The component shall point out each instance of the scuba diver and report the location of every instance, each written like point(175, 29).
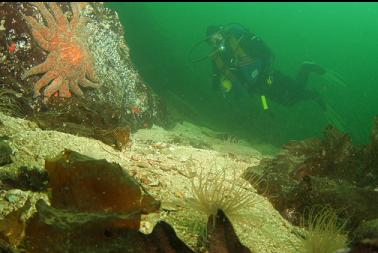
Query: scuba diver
point(242, 61)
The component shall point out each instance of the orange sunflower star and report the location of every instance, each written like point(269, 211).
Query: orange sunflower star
point(69, 62)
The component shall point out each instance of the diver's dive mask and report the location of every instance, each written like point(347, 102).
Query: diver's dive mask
point(217, 40)
point(221, 46)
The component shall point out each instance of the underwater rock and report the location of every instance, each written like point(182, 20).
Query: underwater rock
point(26, 179)
point(58, 230)
point(69, 230)
point(12, 226)
point(32, 179)
point(366, 230)
point(5, 248)
point(357, 204)
point(119, 137)
point(5, 153)
point(365, 246)
point(123, 100)
point(329, 171)
point(84, 184)
point(334, 156)
point(61, 230)
point(164, 239)
point(370, 156)
point(276, 178)
point(223, 238)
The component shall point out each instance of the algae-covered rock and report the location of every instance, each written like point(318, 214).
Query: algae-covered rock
point(365, 246)
point(356, 204)
point(118, 97)
point(5, 153)
point(61, 230)
point(330, 171)
point(26, 179)
point(65, 231)
point(366, 230)
point(13, 225)
point(165, 170)
point(85, 184)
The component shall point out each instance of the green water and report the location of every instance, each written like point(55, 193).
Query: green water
point(342, 37)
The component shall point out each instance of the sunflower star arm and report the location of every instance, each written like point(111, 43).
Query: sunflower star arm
point(59, 16)
point(87, 83)
point(41, 68)
point(64, 90)
point(45, 80)
point(81, 24)
point(40, 32)
point(53, 87)
point(75, 7)
point(51, 23)
point(74, 87)
point(90, 71)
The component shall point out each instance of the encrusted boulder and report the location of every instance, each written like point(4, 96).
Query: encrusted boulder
point(85, 184)
point(68, 67)
point(95, 206)
point(356, 204)
point(370, 156)
point(62, 231)
point(5, 153)
point(365, 246)
point(66, 231)
point(25, 179)
point(331, 171)
point(12, 227)
point(366, 230)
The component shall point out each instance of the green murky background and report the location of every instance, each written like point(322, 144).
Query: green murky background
point(342, 37)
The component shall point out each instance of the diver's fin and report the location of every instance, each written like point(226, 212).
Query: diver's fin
point(334, 118)
point(314, 67)
point(335, 78)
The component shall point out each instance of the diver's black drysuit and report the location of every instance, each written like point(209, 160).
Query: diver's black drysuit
point(245, 60)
